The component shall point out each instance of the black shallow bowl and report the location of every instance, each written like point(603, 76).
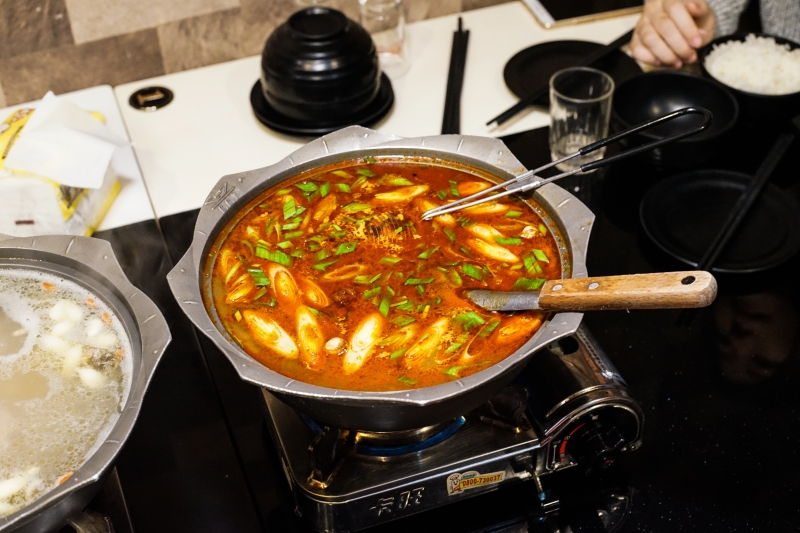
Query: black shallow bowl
point(757, 109)
point(319, 65)
point(649, 96)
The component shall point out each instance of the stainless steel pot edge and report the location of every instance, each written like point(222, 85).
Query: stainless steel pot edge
point(95, 255)
point(233, 191)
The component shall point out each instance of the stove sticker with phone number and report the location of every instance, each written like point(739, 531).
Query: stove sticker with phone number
point(458, 483)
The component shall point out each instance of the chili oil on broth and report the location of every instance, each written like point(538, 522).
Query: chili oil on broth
point(65, 373)
point(333, 278)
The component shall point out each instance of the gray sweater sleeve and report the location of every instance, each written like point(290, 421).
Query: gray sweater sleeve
point(778, 17)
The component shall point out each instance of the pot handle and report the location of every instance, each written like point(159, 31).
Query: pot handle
point(661, 290)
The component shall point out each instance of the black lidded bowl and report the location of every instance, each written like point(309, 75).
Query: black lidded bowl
point(757, 109)
point(319, 65)
point(651, 95)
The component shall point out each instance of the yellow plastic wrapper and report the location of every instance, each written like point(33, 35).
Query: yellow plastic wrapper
point(35, 205)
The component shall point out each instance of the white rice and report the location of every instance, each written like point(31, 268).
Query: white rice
point(756, 65)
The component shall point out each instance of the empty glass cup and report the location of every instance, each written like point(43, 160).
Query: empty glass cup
point(385, 22)
point(580, 110)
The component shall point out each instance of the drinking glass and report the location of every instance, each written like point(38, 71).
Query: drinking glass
point(385, 22)
point(580, 110)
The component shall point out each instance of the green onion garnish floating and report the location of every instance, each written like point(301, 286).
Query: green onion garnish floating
point(469, 320)
point(259, 277)
point(528, 284)
point(346, 248)
point(274, 255)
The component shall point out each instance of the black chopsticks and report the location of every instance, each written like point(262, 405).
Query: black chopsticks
point(746, 200)
point(451, 122)
point(532, 97)
point(741, 208)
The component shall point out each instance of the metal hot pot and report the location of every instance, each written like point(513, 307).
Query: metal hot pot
point(378, 411)
point(91, 264)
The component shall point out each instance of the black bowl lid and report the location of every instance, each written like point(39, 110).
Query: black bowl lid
point(317, 23)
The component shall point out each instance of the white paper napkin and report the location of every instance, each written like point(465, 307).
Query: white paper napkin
point(64, 143)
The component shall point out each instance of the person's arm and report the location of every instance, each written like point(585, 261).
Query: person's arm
point(670, 31)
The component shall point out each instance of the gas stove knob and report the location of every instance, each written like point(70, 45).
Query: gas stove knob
point(595, 445)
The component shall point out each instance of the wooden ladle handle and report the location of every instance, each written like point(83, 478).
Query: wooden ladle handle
point(636, 291)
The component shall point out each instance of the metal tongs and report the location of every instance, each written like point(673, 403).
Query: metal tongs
point(529, 180)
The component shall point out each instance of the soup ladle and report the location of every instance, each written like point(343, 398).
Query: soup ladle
point(530, 180)
point(661, 290)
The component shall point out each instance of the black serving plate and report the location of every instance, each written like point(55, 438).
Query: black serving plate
point(683, 213)
point(532, 67)
point(372, 113)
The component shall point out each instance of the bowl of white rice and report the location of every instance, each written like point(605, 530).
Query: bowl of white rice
point(762, 71)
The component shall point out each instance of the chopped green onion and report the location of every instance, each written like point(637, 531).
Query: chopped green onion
point(237, 315)
point(338, 234)
point(398, 353)
point(527, 284)
point(365, 172)
point(315, 312)
point(543, 229)
point(324, 189)
point(298, 253)
point(513, 214)
point(516, 267)
point(341, 174)
point(326, 264)
point(283, 191)
point(403, 320)
point(540, 255)
point(261, 293)
point(420, 289)
point(375, 278)
point(346, 248)
point(450, 234)
point(343, 187)
point(291, 226)
point(361, 280)
point(407, 380)
point(537, 268)
point(399, 181)
point(442, 194)
point(274, 255)
point(472, 271)
point(307, 186)
point(318, 238)
point(259, 277)
point(453, 347)
point(322, 254)
point(513, 241)
point(469, 320)
point(355, 207)
point(360, 181)
point(383, 308)
point(418, 281)
point(390, 260)
point(488, 329)
point(373, 292)
point(368, 160)
point(455, 279)
point(249, 246)
point(406, 306)
point(293, 235)
point(428, 253)
point(284, 244)
point(289, 209)
point(529, 260)
point(454, 188)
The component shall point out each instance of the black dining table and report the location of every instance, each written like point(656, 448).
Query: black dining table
point(721, 393)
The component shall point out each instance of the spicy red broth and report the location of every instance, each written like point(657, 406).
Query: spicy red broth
point(334, 279)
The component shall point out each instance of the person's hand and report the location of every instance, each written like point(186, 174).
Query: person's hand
point(670, 31)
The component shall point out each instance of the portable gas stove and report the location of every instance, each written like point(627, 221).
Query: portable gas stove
point(568, 409)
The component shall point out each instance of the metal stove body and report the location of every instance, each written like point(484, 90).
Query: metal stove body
point(569, 409)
